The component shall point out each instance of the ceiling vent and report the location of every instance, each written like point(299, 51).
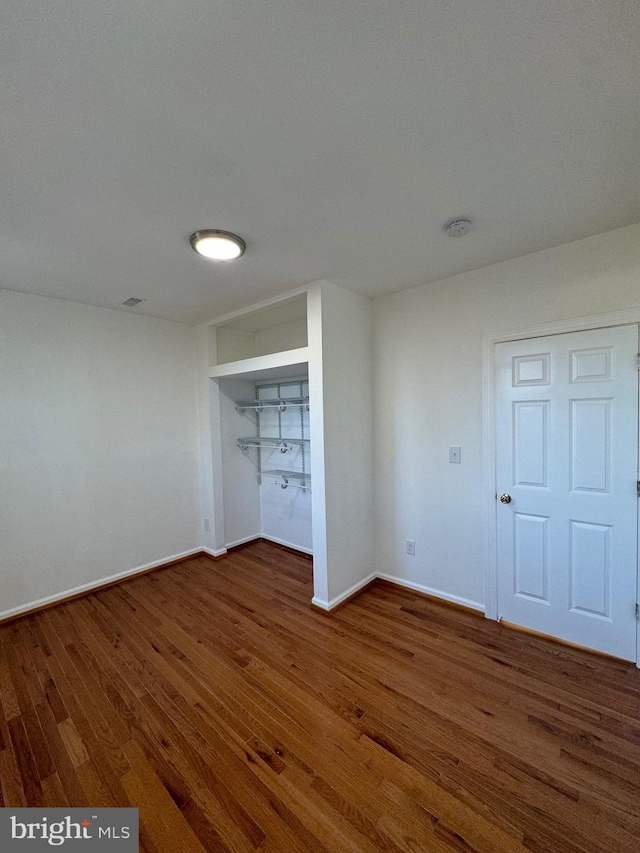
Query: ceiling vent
point(131, 301)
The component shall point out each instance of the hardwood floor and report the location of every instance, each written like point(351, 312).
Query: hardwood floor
point(212, 697)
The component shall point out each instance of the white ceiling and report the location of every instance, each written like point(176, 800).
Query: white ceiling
point(336, 137)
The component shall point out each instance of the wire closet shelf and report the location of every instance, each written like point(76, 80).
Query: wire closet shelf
point(273, 408)
point(279, 404)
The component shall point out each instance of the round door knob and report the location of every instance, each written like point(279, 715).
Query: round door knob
point(505, 499)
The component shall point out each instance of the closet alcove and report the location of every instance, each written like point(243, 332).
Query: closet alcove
point(264, 426)
point(288, 408)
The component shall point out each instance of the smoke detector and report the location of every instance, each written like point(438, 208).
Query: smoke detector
point(458, 227)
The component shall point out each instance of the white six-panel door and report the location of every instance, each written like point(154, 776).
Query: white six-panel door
point(567, 438)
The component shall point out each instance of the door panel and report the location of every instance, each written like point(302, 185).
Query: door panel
point(590, 568)
point(591, 448)
point(531, 549)
point(567, 434)
point(530, 442)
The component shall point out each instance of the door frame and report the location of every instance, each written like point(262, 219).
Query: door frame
point(489, 341)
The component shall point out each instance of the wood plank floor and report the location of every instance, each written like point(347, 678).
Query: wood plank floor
point(212, 697)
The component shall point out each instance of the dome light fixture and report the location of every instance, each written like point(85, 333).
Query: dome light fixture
point(218, 245)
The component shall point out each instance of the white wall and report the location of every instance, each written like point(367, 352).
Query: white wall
point(98, 445)
point(236, 344)
point(232, 345)
point(279, 338)
point(429, 395)
point(341, 378)
point(210, 451)
point(241, 498)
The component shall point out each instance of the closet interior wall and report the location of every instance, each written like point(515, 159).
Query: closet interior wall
point(241, 495)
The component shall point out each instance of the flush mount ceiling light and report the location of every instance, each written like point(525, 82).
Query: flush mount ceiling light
point(458, 227)
point(217, 245)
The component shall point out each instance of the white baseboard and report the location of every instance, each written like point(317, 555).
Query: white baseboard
point(329, 605)
point(261, 536)
point(211, 553)
point(318, 602)
point(436, 593)
point(287, 544)
point(87, 587)
point(242, 541)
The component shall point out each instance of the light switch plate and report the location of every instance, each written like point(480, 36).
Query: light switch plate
point(455, 453)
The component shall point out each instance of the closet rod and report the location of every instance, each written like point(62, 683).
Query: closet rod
point(282, 446)
point(286, 485)
point(280, 404)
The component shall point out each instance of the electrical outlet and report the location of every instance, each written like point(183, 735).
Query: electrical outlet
point(207, 524)
point(411, 547)
point(455, 454)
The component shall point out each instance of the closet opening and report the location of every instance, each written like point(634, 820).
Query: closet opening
point(266, 459)
point(263, 414)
